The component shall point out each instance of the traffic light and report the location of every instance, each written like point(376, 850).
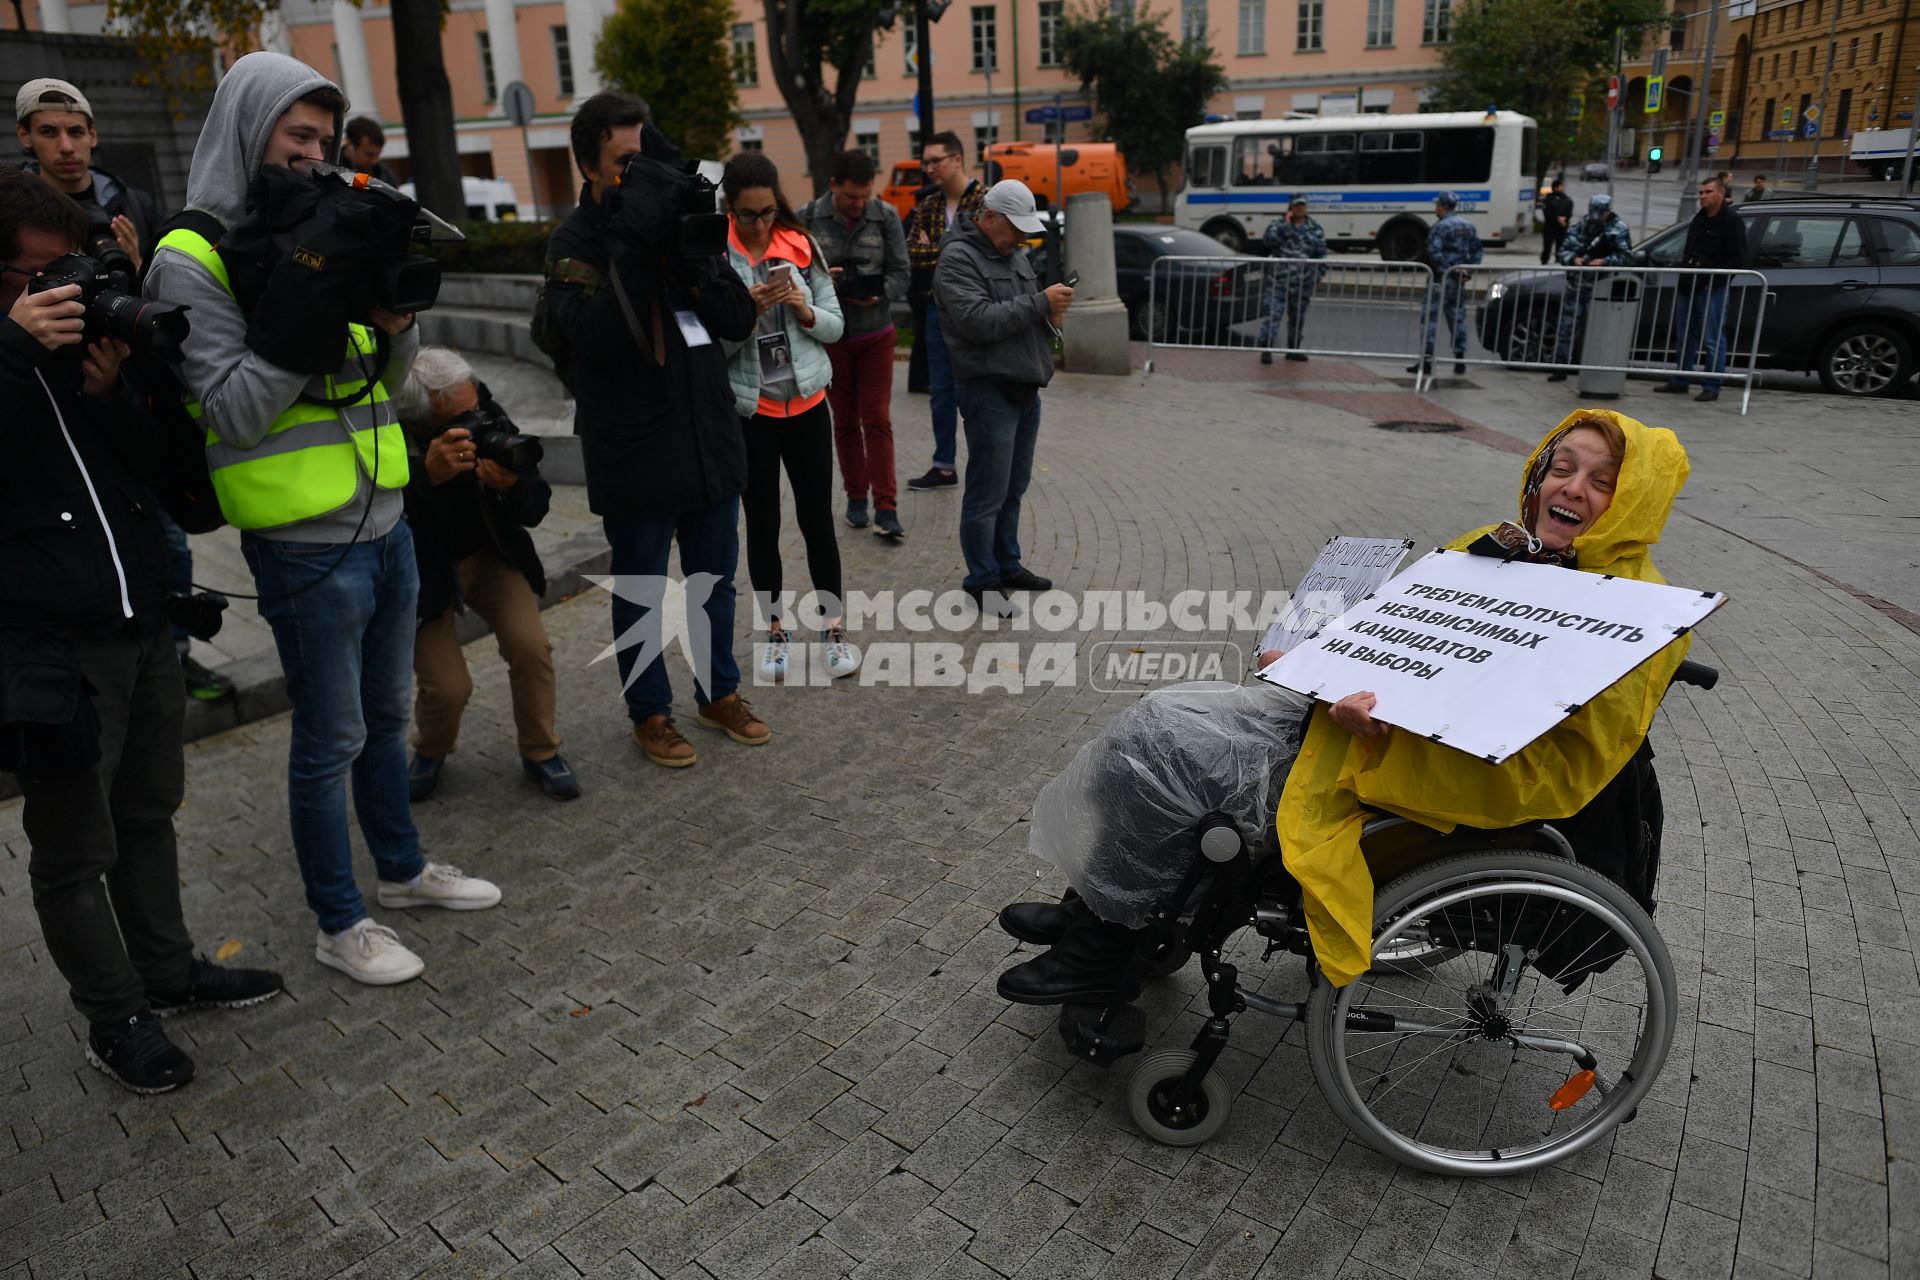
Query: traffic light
point(1653, 160)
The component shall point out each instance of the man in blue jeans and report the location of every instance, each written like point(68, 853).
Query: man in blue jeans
point(1715, 238)
point(320, 523)
point(999, 323)
point(956, 194)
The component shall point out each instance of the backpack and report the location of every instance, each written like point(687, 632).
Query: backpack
point(174, 465)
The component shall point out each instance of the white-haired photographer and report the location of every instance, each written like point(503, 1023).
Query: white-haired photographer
point(475, 492)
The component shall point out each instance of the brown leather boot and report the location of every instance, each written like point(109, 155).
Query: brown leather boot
point(662, 742)
point(733, 717)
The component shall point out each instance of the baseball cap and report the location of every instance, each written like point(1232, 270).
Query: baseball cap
point(48, 94)
point(1011, 199)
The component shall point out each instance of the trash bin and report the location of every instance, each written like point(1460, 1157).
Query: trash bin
point(1612, 318)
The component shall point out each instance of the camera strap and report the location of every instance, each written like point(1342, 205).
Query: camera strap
point(382, 353)
point(656, 350)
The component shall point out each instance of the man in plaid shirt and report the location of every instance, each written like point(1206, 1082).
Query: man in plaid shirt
point(943, 165)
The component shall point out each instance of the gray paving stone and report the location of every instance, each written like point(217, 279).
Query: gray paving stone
point(1013, 1233)
point(1776, 1228)
point(1697, 1244)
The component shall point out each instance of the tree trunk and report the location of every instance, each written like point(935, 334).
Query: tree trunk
point(426, 107)
point(822, 116)
point(20, 14)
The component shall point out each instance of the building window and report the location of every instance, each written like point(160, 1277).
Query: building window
point(1437, 22)
point(1193, 23)
point(746, 56)
point(487, 83)
point(986, 54)
point(1253, 27)
point(1311, 31)
point(868, 140)
point(752, 144)
point(868, 70)
point(563, 58)
point(1121, 9)
point(1776, 66)
point(1874, 60)
point(1853, 52)
point(984, 136)
point(1379, 24)
point(1766, 120)
point(1052, 14)
point(1793, 62)
point(908, 48)
point(1840, 116)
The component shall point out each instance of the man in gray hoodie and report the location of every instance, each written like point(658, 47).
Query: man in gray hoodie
point(998, 322)
point(311, 468)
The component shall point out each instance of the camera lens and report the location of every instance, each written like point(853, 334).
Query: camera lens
point(156, 327)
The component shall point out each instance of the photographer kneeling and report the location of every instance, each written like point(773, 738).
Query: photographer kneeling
point(91, 704)
point(474, 493)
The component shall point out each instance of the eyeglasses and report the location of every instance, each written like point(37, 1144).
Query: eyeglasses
point(929, 161)
point(756, 215)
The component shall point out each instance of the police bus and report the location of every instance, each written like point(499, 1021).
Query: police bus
point(1369, 180)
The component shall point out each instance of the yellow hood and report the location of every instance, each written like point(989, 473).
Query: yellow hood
point(1337, 777)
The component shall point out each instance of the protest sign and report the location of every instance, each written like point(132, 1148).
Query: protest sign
point(1485, 654)
point(1345, 571)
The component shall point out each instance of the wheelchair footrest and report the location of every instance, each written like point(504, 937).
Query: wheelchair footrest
point(1103, 1034)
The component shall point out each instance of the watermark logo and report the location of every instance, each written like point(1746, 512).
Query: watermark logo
point(653, 611)
point(1114, 665)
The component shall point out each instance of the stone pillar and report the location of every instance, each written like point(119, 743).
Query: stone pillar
point(503, 34)
point(1096, 325)
point(355, 69)
point(55, 18)
point(583, 32)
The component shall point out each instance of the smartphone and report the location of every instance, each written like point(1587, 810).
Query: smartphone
point(793, 274)
point(1072, 280)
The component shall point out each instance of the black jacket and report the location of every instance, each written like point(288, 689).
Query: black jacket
point(79, 542)
point(437, 512)
point(1553, 207)
point(1719, 241)
point(655, 438)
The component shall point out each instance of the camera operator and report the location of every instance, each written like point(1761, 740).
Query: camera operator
point(665, 454)
point(309, 463)
point(474, 493)
point(365, 141)
point(91, 705)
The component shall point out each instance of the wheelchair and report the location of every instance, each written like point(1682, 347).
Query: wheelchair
point(1519, 1005)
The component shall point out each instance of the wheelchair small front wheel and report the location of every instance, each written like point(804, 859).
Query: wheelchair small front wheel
point(1168, 1113)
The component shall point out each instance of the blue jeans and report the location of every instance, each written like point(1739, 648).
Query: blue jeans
point(946, 418)
point(346, 645)
point(1712, 333)
point(1000, 440)
point(1449, 295)
point(709, 545)
point(180, 563)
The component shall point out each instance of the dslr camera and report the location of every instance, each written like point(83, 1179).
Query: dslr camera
point(103, 246)
point(852, 282)
point(666, 205)
point(198, 615)
point(113, 309)
point(496, 439)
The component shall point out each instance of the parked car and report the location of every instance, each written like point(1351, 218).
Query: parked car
point(487, 199)
point(1189, 301)
point(1595, 171)
point(1843, 294)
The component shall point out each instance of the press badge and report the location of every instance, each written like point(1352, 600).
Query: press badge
point(777, 381)
point(692, 332)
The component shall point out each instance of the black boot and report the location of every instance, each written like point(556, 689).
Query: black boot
point(1089, 965)
point(1041, 923)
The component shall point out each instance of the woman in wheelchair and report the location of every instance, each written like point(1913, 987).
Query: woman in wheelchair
point(1595, 496)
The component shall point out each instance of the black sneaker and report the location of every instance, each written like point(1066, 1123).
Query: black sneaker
point(1298, 357)
point(1266, 357)
point(857, 512)
point(935, 479)
point(1558, 375)
point(1420, 368)
point(1707, 395)
point(1673, 388)
point(138, 1055)
point(1459, 369)
point(1025, 580)
point(423, 775)
point(886, 523)
point(555, 776)
point(994, 601)
point(210, 986)
point(204, 685)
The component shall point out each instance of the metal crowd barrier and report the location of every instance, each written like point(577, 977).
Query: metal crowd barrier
point(1621, 320)
point(1362, 308)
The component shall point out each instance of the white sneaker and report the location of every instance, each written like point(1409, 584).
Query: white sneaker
point(369, 953)
point(773, 656)
point(441, 886)
point(843, 658)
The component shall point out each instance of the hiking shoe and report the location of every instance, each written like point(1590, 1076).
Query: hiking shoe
point(843, 659)
point(209, 986)
point(369, 953)
point(440, 885)
point(555, 776)
point(935, 479)
point(857, 512)
point(774, 656)
point(204, 685)
point(423, 775)
point(886, 523)
point(137, 1054)
point(733, 717)
point(1025, 580)
point(663, 743)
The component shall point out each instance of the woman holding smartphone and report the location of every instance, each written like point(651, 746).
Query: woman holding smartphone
point(779, 379)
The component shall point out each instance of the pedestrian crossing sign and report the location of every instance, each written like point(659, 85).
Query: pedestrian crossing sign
point(1656, 92)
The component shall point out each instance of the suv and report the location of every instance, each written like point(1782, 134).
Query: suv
point(1843, 286)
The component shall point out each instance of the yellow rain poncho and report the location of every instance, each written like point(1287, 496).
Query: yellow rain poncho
point(1321, 814)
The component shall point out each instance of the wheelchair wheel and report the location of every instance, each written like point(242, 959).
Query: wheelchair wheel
point(1164, 1116)
point(1537, 1012)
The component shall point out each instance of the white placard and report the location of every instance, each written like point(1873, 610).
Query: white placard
point(1486, 655)
point(1342, 575)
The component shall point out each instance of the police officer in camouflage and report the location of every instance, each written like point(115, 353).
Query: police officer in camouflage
point(1290, 285)
point(1451, 244)
point(1599, 240)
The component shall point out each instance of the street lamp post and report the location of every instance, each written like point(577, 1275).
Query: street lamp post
point(1813, 159)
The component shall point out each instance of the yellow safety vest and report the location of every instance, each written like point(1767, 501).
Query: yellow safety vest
point(309, 462)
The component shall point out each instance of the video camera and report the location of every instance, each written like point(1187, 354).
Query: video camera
point(496, 439)
point(665, 204)
point(113, 310)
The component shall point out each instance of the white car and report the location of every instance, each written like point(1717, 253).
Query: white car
point(1594, 171)
point(487, 199)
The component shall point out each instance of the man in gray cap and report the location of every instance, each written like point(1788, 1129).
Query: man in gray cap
point(1600, 240)
point(1451, 244)
point(997, 321)
point(54, 122)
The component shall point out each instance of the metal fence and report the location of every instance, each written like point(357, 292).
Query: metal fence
point(1592, 321)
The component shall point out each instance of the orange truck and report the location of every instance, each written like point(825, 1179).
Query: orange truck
point(1082, 167)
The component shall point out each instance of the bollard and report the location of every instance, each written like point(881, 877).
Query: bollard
point(1095, 331)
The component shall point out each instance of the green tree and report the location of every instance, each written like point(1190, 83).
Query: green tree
point(1511, 55)
point(817, 50)
point(674, 54)
point(1148, 87)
